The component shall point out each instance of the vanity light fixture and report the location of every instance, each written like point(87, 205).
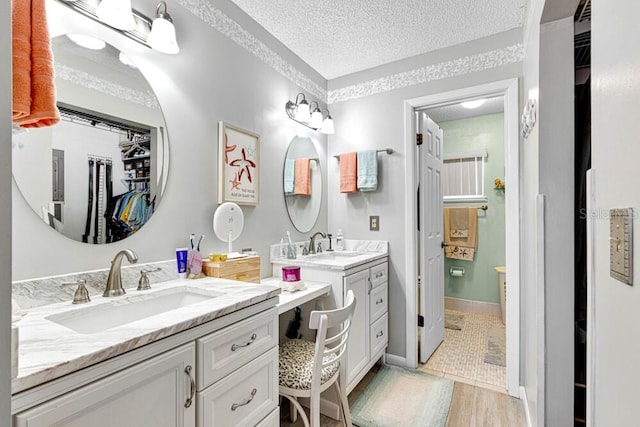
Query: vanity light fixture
point(298, 111)
point(163, 34)
point(117, 14)
point(159, 35)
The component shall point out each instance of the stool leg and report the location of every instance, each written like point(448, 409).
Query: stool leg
point(293, 413)
point(344, 404)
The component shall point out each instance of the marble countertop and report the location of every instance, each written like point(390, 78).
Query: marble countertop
point(356, 253)
point(48, 350)
point(289, 300)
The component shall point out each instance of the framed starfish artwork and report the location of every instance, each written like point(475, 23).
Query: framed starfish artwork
point(239, 165)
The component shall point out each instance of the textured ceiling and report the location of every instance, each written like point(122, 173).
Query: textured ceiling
point(338, 37)
point(457, 111)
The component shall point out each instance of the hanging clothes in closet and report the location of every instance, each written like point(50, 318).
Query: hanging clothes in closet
point(128, 212)
point(99, 184)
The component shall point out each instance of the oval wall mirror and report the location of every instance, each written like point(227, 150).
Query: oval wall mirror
point(99, 174)
point(302, 186)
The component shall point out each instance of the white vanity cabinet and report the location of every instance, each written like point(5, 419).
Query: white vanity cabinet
point(217, 374)
point(368, 338)
point(156, 392)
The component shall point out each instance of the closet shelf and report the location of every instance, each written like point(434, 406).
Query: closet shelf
point(129, 159)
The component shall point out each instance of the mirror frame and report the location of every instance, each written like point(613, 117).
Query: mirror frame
point(316, 184)
point(63, 20)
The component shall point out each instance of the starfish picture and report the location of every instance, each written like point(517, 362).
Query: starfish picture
point(227, 148)
point(245, 165)
point(235, 182)
point(251, 151)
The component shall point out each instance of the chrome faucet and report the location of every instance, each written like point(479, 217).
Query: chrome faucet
point(312, 247)
point(114, 282)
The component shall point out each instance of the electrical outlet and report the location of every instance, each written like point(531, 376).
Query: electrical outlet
point(374, 223)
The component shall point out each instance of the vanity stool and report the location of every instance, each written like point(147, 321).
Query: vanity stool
point(307, 368)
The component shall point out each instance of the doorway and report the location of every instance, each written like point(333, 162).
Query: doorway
point(508, 89)
point(461, 241)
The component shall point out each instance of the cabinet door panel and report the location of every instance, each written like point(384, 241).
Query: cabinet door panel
point(358, 346)
point(152, 393)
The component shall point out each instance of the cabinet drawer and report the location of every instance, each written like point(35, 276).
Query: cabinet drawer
point(226, 350)
point(243, 398)
point(379, 335)
point(378, 301)
point(379, 274)
point(271, 420)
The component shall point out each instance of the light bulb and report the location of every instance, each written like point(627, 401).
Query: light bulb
point(327, 126)
point(302, 112)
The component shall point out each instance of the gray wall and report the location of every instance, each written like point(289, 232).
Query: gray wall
point(614, 316)
point(5, 213)
point(547, 263)
point(377, 121)
point(212, 79)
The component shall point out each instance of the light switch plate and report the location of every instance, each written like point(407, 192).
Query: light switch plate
point(621, 244)
point(374, 223)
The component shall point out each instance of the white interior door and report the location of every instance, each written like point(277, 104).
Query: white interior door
point(431, 263)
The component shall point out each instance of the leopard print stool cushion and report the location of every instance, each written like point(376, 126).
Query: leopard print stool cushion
point(296, 364)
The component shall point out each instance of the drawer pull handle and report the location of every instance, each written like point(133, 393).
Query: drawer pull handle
point(246, 402)
point(248, 343)
point(379, 334)
point(370, 285)
point(380, 301)
point(379, 275)
point(192, 389)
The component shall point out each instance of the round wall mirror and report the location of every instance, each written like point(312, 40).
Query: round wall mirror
point(302, 184)
point(99, 174)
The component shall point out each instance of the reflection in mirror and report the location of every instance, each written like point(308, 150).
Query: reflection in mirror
point(302, 186)
point(99, 174)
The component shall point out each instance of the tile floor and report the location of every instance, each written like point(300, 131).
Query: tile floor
point(460, 357)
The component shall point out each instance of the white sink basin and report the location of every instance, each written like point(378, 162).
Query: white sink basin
point(334, 255)
point(90, 320)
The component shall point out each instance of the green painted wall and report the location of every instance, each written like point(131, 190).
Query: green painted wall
point(480, 281)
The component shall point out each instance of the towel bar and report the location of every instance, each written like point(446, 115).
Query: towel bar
point(386, 150)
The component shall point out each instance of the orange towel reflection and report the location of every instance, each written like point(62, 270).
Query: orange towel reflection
point(302, 180)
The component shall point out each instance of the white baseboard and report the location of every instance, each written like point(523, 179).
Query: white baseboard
point(469, 306)
point(525, 402)
point(392, 359)
point(327, 407)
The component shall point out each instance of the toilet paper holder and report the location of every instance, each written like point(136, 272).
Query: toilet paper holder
point(456, 271)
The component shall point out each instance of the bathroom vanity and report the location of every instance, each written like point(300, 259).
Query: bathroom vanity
point(362, 268)
point(209, 358)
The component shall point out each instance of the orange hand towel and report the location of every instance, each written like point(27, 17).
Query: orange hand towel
point(21, 43)
point(349, 172)
point(302, 180)
point(43, 91)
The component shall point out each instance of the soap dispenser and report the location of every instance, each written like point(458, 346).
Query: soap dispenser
point(339, 240)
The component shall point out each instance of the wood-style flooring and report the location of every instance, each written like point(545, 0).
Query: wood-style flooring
point(471, 406)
